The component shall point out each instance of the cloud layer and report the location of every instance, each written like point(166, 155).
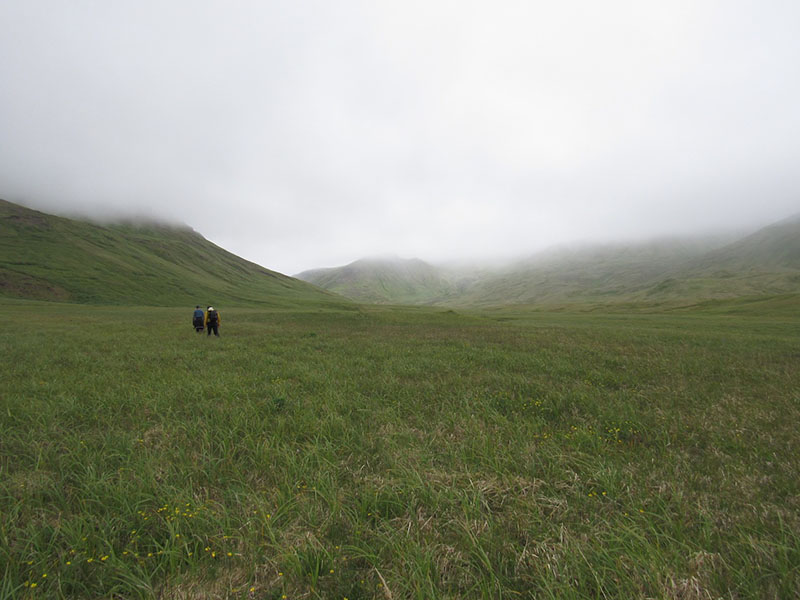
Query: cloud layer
point(308, 134)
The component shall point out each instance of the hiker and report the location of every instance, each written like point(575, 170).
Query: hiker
point(212, 320)
point(198, 319)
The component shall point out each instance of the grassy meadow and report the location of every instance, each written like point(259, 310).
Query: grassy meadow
point(400, 453)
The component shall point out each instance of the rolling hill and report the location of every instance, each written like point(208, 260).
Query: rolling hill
point(765, 262)
point(679, 270)
point(773, 248)
point(384, 281)
point(593, 273)
point(45, 257)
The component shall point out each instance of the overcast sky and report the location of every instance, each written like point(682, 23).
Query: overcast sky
point(304, 134)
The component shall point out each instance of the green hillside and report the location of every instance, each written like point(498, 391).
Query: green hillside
point(774, 248)
point(675, 271)
point(679, 271)
point(609, 272)
point(53, 258)
point(764, 263)
point(384, 281)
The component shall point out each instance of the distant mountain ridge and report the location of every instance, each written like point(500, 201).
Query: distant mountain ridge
point(667, 270)
point(386, 280)
point(776, 246)
point(144, 263)
point(46, 257)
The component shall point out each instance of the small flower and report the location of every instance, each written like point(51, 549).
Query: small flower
point(33, 585)
point(88, 560)
point(69, 562)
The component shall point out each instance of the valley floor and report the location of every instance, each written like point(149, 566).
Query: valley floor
point(400, 453)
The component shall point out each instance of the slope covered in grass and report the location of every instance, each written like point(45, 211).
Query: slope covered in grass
point(384, 281)
point(765, 263)
point(609, 272)
point(776, 248)
point(52, 258)
point(678, 271)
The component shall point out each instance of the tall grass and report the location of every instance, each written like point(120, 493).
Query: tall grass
point(398, 453)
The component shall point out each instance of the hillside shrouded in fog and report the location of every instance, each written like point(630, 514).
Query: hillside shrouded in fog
point(676, 271)
point(309, 135)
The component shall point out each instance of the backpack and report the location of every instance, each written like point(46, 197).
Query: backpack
point(212, 317)
point(198, 314)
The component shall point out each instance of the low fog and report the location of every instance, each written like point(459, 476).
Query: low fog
point(310, 134)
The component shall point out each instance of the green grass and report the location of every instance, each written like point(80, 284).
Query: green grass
point(399, 453)
point(44, 257)
point(384, 281)
point(675, 271)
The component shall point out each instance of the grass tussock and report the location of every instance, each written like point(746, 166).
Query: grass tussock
point(396, 453)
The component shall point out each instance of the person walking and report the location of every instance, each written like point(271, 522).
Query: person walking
point(212, 320)
point(198, 319)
